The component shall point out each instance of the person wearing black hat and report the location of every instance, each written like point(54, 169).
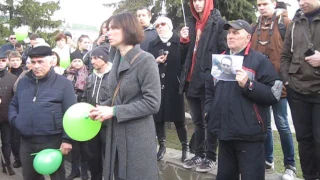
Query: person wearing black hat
point(6, 88)
point(77, 73)
point(36, 110)
point(96, 92)
point(237, 111)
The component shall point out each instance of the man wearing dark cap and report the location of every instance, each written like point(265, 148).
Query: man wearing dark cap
point(238, 110)
point(36, 110)
point(96, 93)
point(6, 92)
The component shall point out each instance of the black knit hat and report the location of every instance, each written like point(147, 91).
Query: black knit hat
point(40, 51)
point(101, 52)
point(76, 55)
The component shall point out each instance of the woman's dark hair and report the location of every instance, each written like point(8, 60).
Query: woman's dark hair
point(81, 39)
point(60, 36)
point(105, 23)
point(130, 26)
point(58, 57)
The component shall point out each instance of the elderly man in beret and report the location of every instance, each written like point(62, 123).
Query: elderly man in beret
point(37, 109)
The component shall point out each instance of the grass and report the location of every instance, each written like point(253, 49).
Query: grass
point(174, 143)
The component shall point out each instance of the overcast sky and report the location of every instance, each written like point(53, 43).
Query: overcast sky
point(90, 12)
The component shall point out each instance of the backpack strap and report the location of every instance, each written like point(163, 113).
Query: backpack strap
point(281, 27)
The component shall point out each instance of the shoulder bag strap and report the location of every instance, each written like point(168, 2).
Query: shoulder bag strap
point(118, 86)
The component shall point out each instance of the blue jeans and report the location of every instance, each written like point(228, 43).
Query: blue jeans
point(281, 120)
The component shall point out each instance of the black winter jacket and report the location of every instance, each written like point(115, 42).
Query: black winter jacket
point(96, 91)
point(212, 41)
point(6, 93)
point(235, 113)
point(38, 106)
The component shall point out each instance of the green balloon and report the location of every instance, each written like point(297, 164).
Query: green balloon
point(78, 125)
point(65, 63)
point(20, 36)
point(47, 161)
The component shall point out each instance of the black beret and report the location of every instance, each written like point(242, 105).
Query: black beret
point(40, 51)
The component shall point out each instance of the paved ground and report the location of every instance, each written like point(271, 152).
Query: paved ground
point(18, 171)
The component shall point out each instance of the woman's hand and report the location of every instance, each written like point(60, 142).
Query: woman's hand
point(101, 39)
point(101, 113)
point(161, 59)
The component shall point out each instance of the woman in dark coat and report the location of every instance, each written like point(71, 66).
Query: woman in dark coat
point(130, 140)
point(77, 73)
point(166, 51)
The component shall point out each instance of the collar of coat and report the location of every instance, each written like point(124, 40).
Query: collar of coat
point(3, 72)
point(300, 15)
point(125, 63)
point(174, 39)
point(31, 76)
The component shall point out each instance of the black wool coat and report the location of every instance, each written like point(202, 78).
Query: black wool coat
point(6, 93)
point(172, 103)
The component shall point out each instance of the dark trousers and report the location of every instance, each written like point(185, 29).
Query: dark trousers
point(96, 147)
point(181, 129)
point(5, 130)
point(201, 148)
point(305, 110)
point(79, 156)
point(34, 145)
point(241, 157)
point(15, 143)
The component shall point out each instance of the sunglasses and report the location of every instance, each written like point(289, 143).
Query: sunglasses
point(162, 24)
point(13, 38)
point(3, 60)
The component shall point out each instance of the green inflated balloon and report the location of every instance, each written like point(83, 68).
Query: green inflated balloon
point(20, 36)
point(65, 63)
point(78, 125)
point(47, 161)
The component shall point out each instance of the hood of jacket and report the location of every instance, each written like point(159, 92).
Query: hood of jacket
point(206, 11)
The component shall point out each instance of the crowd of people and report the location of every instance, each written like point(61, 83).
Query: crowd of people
point(137, 75)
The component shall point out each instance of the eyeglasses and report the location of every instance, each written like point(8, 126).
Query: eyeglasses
point(162, 24)
point(13, 38)
point(3, 60)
